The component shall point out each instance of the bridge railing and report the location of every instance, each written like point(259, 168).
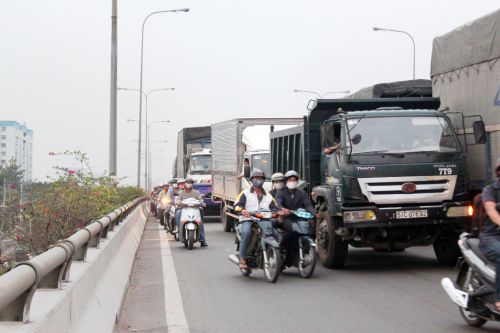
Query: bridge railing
point(50, 268)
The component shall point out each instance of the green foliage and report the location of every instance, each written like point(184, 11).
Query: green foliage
point(11, 173)
point(56, 209)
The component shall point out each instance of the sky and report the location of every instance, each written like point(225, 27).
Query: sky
point(225, 58)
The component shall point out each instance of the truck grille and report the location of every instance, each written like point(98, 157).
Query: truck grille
point(426, 189)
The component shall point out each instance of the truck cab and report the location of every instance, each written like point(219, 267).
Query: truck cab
point(199, 166)
point(396, 176)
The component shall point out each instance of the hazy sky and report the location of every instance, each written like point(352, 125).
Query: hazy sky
point(226, 59)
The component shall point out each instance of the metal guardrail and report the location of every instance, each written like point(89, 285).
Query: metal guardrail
point(50, 268)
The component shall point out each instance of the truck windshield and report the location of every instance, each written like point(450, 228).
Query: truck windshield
point(401, 135)
point(263, 162)
point(200, 164)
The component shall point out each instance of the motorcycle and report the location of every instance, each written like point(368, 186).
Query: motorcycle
point(474, 289)
point(263, 250)
point(304, 254)
point(170, 222)
point(190, 221)
point(163, 206)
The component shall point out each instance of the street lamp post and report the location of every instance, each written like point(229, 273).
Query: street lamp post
point(146, 159)
point(320, 96)
point(146, 95)
point(150, 171)
point(407, 34)
point(140, 85)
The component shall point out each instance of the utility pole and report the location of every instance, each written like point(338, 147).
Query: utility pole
point(113, 92)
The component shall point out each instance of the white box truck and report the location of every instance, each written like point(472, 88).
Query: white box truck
point(232, 142)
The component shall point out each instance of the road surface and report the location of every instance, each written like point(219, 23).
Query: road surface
point(376, 292)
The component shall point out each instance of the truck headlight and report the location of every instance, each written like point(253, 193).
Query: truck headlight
point(359, 216)
point(460, 211)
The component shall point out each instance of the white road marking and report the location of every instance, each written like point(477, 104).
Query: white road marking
point(176, 319)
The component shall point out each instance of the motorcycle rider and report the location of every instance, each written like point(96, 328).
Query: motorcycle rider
point(489, 237)
point(252, 200)
point(163, 194)
point(278, 181)
point(291, 198)
point(189, 192)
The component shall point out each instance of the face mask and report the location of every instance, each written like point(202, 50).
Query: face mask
point(279, 185)
point(258, 182)
point(189, 185)
point(175, 186)
point(291, 185)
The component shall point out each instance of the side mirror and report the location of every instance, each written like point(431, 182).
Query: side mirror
point(479, 132)
point(356, 139)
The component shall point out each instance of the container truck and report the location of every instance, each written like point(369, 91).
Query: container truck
point(234, 141)
point(194, 160)
point(399, 178)
point(465, 72)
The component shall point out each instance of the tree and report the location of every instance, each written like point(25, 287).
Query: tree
point(11, 174)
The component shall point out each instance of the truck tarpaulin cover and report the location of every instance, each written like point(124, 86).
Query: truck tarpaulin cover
point(410, 88)
point(470, 44)
point(194, 133)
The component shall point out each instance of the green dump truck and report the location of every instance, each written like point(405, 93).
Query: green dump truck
point(399, 178)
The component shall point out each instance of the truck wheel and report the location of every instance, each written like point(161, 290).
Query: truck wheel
point(332, 250)
point(227, 221)
point(446, 249)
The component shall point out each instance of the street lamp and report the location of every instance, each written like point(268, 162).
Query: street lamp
point(150, 170)
point(140, 85)
point(320, 96)
point(146, 95)
point(147, 181)
point(146, 146)
point(407, 34)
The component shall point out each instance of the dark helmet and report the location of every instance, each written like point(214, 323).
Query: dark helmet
point(257, 173)
point(291, 173)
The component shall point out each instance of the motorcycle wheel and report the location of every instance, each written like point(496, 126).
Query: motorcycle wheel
point(176, 234)
point(162, 219)
point(464, 283)
point(190, 240)
point(272, 269)
point(306, 268)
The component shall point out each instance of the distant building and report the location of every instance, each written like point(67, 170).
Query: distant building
point(16, 142)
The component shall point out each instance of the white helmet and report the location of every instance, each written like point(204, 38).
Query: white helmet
point(278, 176)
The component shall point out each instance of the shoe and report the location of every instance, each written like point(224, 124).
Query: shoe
point(203, 244)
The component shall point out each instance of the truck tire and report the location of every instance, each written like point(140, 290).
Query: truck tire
point(446, 249)
point(227, 221)
point(332, 249)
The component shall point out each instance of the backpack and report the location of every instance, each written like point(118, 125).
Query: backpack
point(479, 211)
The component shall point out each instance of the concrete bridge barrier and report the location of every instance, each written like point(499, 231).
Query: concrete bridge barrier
point(79, 284)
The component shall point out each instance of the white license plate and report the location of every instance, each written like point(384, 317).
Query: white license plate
point(412, 214)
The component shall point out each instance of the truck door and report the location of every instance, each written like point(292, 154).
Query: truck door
point(331, 142)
